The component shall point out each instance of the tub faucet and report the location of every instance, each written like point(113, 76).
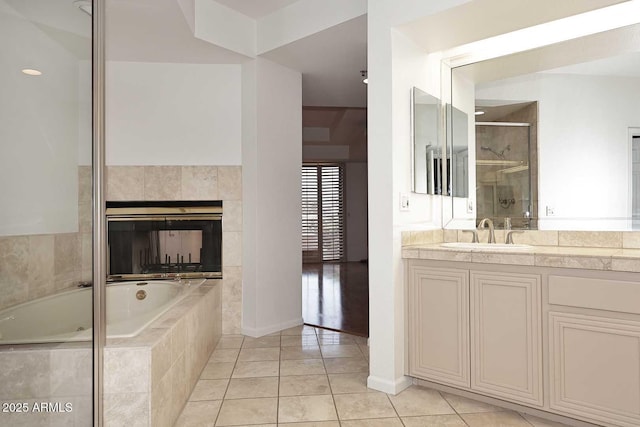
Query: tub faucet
point(492, 235)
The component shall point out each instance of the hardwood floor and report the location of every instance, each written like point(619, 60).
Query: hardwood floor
point(336, 296)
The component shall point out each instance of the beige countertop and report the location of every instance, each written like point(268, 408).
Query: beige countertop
point(591, 258)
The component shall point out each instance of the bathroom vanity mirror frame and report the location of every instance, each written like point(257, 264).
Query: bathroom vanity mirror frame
point(460, 212)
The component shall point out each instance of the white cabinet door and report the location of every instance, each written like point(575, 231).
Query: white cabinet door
point(506, 340)
point(438, 305)
point(595, 368)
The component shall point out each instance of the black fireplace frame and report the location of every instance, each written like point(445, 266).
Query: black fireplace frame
point(205, 216)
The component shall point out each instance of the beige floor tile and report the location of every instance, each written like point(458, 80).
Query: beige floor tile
point(209, 390)
point(258, 354)
point(301, 367)
point(214, 371)
point(349, 383)
point(299, 340)
point(378, 422)
point(224, 355)
point(307, 352)
point(230, 341)
point(243, 388)
point(462, 405)
point(416, 401)
point(268, 341)
point(359, 406)
point(540, 422)
point(313, 424)
point(304, 385)
point(495, 419)
point(361, 340)
point(340, 350)
point(344, 365)
point(197, 414)
point(306, 408)
point(365, 350)
point(335, 339)
point(248, 411)
point(299, 330)
point(255, 369)
point(434, 421)
point(257, 425)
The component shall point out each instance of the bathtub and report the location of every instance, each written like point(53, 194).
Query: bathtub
point(67, 316)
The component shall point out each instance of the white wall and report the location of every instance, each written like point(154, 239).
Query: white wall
point(272, 158)
point(38, 130)
point(173, 114)
point(356, 208)
point(389, 174)
point(584, 151)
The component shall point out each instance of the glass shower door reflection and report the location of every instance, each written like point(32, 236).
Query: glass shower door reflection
point(504, 173)
point(46, 348)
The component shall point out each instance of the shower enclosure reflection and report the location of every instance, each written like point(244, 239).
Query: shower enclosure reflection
point(46, 229)
point(579, 99)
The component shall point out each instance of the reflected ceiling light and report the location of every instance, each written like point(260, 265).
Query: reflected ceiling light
point(363, 74)
point(31, 72)
point(479, 113)
point(84, 6)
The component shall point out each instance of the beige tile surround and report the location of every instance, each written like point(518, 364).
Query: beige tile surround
point(594, 250)
point(195, 183)
point(148, 378)
point(319, 380)
point(39, 265)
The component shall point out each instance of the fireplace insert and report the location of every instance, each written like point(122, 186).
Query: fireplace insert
point(154, 239)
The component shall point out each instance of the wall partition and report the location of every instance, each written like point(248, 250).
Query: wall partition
point(46, 222)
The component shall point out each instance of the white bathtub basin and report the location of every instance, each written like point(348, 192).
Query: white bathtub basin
point(487, 246)
point(67, 316)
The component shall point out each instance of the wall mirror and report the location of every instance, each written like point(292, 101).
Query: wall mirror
point(427, 159)
point(552, 136)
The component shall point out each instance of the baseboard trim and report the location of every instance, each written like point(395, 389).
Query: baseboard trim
point(389, 387)
point(266, 330)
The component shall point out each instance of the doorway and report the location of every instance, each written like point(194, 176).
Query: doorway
point(334, 231)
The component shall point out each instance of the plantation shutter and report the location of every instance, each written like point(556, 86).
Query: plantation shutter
point(323, 227)
point(310, 217)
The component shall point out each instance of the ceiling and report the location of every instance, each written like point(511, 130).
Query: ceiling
point(256, 8)
point(61, 21)
point(330, 62)
point(626, 65)
point(157, 31)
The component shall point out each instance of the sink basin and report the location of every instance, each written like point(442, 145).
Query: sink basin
point(486, 246)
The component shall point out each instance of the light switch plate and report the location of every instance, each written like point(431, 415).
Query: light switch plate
point(404, 202)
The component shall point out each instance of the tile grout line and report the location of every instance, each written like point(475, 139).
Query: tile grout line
point(452, 407)
point(229, 382)
point(333, 399)
point(278, 388)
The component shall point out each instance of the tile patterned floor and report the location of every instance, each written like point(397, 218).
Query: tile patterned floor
point(307, 377)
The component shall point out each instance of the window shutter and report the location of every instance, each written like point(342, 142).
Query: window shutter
point(323, 225)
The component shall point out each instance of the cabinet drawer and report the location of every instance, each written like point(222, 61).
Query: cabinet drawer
point(597, 293)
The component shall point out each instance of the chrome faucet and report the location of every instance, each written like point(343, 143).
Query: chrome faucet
point(492, 235)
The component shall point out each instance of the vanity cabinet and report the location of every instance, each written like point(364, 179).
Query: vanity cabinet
point(506, 336)
point(594, 358)
point(478, 330)
point(438, 315)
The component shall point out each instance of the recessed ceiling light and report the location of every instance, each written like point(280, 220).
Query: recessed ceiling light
point(479, 113)
point(31, 72)
point(84, 6)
